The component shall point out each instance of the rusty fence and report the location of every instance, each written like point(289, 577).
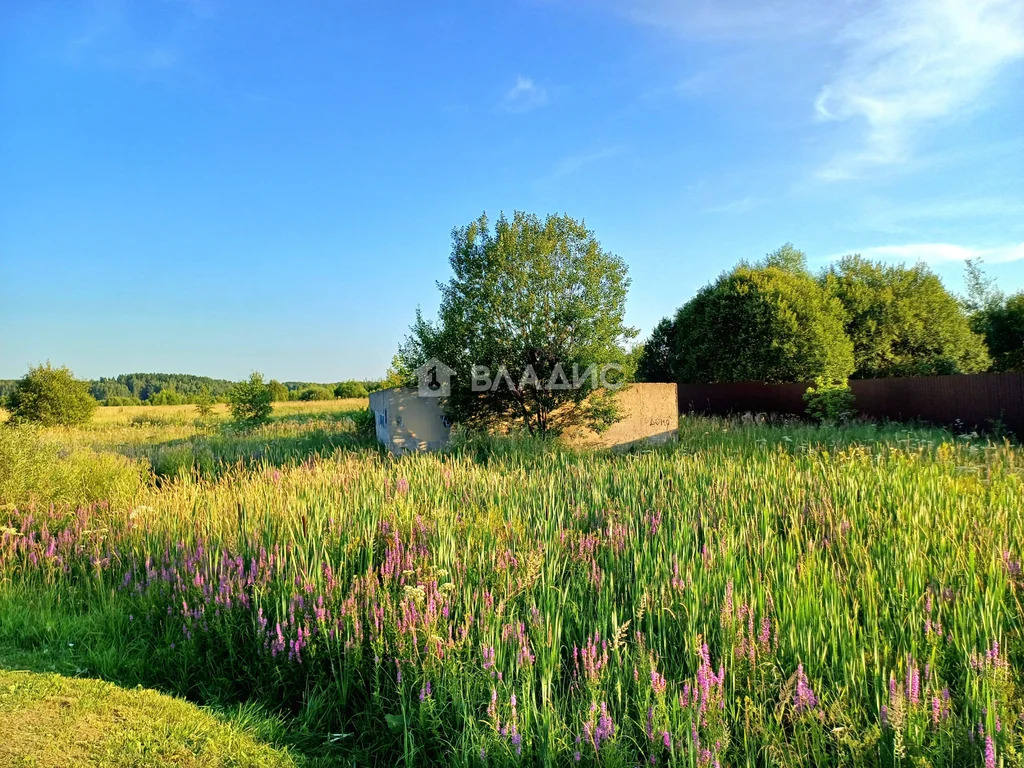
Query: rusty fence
point(976, 400)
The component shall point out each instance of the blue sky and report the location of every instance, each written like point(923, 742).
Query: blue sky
point(213, 187)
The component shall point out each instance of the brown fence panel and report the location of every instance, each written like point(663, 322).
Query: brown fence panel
point(973, 400)
point(742, 396)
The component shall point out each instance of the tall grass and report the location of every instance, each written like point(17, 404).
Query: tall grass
point(748, 595)
point(39, 467)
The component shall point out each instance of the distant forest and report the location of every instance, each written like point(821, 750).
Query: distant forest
point(182, 388)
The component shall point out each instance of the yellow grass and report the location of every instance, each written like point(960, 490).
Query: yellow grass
point(124, 414)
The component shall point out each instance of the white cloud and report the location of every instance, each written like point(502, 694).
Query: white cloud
point(524, 96)
point(910, 63)
point(939, 253)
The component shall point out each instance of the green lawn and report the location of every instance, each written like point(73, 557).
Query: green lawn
point(50, 720)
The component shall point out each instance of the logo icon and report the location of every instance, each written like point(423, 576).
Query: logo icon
point(434, 379)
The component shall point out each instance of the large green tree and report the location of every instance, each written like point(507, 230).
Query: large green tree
point(1002, 324)
point(50, 396)
point(768, 323)
point(997, 318)
point(657, 361)
point(529, 296)
point(278, 391)
point(903, 321)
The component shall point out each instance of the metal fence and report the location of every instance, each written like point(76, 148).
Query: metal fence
point(976, 400)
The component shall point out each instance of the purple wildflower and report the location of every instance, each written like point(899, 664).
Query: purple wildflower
point(804, 699)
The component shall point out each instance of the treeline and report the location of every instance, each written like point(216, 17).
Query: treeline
point(185, 388)
point(774, 321)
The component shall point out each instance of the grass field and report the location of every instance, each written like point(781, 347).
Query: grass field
point(746, 595)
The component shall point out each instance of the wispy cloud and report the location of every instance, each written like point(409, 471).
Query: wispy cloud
point(117, 35)
point(574, 163)
point(889, 215)
point(524, 95)
point(741, 205)
point(910, 63)
point(940, 253)
point(733, 19)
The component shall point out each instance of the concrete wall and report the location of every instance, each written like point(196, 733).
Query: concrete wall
point(650, 413)
point(407, 422)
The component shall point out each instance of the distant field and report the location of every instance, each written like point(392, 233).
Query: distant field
point(746, 595)
point(125, 413)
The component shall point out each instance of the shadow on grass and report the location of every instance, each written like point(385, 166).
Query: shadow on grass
point(52, 661)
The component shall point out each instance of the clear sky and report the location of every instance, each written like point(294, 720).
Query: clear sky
point(211, 187)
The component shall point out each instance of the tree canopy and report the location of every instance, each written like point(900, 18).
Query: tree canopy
point(1002, 325)
point(761, 324)
point(657, 360)
point(351, 389)
point(50, 396)
point(902, 320)
point(529, 295)
point(278, 391)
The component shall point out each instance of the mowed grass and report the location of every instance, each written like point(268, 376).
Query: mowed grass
point(52, 721)
point(747, 595)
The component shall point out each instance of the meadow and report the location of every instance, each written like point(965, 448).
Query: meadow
point(746, 595)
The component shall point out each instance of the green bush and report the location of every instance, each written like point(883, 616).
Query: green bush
point(316, 393)
point(366, 423)
point(184, 460)
point(829, 402)
point(204, 403)
point(50, 396)
point(351, 389)
point(251, 400)
point(167, 397)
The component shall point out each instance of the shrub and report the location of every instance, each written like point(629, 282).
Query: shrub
point(50, 396)
point(351, 389)
point(184, 460)
point(366, 423)
point(829, 402)
point(316, 393)
point(204, 403)
point(251, 400)
point(166, 397)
